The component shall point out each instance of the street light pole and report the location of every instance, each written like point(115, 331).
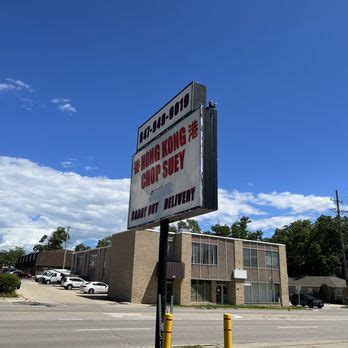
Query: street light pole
point(65, 242)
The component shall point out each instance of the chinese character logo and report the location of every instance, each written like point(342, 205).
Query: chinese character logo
point(193, 130)
point(136, 166)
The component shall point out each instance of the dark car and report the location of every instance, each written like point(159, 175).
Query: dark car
point(21, 274)
point(306, 300)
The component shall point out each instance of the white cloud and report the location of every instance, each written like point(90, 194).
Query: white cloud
point(20, 85)
point(5, 87)
point(34, 200)
point(67, 108)
point(89, 168)
point(93, 206)
point(276, 222)
point(297, 203)
point(68, 164)
point(64, 104)
point(60, 100)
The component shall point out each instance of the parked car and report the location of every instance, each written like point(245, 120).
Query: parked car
point(38, 277)
point(306, 300)
point(21, 274)
point(95, 287)
point(55, 276)
point(9, 270)
point(72, 282)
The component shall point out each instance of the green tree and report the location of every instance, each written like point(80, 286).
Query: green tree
point(9, 257)
point(107, 241)
point(193, 225)
point(312, 248)
point(81, 247)
point(182, 225)
point(172, 228)
point(325, 293)
point(238, 229)
point(221, 230)
point(52, 242)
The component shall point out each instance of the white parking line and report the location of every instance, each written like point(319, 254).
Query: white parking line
point(68, 319)
point(116, 329)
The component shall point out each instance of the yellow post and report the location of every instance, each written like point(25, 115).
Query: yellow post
point(227, 330)
point(167, 331)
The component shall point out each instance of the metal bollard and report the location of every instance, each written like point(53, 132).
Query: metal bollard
point(167, 331)
point(227, 330)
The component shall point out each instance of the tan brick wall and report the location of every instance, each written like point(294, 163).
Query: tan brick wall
point(284, 287)
point(183, 252)
point(121, 266)
point(237, 287)
point(144, 283)
point(54, 259)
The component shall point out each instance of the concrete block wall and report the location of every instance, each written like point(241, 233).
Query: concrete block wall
point(121, 265)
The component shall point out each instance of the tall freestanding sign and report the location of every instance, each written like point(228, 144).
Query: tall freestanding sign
point(174, 171)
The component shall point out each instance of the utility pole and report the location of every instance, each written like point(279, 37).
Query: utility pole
point(339, 227)
point(65, 242)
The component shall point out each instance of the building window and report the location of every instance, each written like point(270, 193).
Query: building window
point(170, 250)
point(92, 260)
point(261, 293)
point(250, 257)
point(200, 290)
point(272, 259)
point(205, 254)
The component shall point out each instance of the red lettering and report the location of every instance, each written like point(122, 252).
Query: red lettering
point(150, 157)
point(150, 176)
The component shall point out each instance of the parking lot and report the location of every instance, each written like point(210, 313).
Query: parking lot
point(55, 294)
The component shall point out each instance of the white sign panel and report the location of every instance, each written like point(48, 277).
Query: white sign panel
point(240, 274)
point(188, 100)
point(167, 174)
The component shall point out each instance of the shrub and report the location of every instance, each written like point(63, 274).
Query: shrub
point(325, 293)
point(9, 283)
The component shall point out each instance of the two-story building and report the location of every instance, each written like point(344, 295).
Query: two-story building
point(201, 268)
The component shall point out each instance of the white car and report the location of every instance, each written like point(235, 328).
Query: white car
point(95, 288)
point(72, 282)
point(39, 277)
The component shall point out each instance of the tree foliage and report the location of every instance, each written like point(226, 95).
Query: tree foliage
point(9, 257)
point(81, 247)
point(313, 248)
point(190, 224)
point(52, 242)
point(238, 229)
point(107, 241)
point(325, 293)
point(9, 283)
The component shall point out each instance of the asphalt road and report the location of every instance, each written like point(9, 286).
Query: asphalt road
point(99, 323)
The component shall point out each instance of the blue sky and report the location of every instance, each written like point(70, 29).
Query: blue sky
point(278, 71)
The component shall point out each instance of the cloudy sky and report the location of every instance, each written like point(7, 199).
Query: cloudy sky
point(75, 85)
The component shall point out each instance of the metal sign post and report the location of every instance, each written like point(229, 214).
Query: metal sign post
point(162, 281)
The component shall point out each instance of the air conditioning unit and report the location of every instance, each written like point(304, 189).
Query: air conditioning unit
point(240, 274)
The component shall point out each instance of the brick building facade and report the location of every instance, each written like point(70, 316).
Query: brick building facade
point(39, 261)
point(201, 268)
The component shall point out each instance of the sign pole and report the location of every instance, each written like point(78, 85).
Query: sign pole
point(162, 281)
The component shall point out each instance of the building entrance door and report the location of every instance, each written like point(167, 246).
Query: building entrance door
point(221, 293)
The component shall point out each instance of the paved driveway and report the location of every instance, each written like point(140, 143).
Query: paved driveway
point(54, 294)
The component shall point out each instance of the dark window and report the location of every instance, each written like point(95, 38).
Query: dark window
point(250, 257)
point(272, 259)
point(261, 293)
point(200, 290)
point(171, 250)
point(205, 254)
